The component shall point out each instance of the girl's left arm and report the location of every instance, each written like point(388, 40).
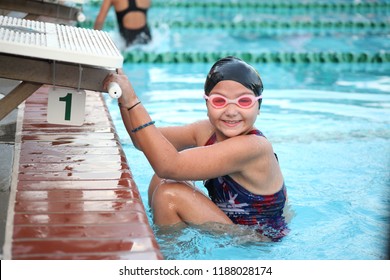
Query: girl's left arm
point(226, 157)
point(101, 17)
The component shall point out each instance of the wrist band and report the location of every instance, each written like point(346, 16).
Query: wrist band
point(142, 126)
point(139, 102)
point(128, 108)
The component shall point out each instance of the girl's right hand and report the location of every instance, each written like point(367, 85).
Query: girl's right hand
point(128, 97)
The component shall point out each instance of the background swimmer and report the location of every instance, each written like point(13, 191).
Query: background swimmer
point(132, 19)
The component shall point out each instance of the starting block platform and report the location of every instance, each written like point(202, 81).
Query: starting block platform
point(55, 10)
point(72, 194)
point(38, 53)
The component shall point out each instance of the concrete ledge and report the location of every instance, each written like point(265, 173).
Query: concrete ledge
point(74, 196)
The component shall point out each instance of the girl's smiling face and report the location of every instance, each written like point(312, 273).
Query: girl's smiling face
point(232, 120)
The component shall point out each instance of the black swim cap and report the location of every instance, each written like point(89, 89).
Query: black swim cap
point(235, 69)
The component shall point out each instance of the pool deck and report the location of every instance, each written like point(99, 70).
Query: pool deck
point(72, 192)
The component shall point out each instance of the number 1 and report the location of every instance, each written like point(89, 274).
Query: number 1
point(68, 105)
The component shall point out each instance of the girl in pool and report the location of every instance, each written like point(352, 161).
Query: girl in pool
point(233, 158)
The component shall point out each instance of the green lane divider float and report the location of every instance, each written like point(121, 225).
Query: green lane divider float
point(288, 5)
point(335, 6)
point(272, 57)
point(370, 26)
point(88, 23)
point(336, 24)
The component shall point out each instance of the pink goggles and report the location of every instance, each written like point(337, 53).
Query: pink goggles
point(244, 101)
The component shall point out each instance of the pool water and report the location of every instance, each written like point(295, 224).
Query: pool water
point(207, 29)
point(329, 124)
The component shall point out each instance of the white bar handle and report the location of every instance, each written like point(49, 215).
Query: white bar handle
point(81, 17)
point(114, 90)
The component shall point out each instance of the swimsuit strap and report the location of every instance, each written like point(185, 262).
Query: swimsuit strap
point(211, 140)
point(257, 132)
point(213, 137)
point(131, 8)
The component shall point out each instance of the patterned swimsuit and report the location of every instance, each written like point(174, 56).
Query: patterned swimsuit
point(265, 212)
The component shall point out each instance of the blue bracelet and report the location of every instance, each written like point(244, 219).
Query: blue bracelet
point(142, 126)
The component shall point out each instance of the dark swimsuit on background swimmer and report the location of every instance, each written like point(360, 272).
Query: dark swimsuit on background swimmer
point(139, 36)
point(245, 208)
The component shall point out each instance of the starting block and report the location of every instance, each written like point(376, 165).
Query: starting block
point(38, 53)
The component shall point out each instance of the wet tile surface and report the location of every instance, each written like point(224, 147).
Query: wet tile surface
point(86, 245)
point(84, 218)
point(76, 198)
